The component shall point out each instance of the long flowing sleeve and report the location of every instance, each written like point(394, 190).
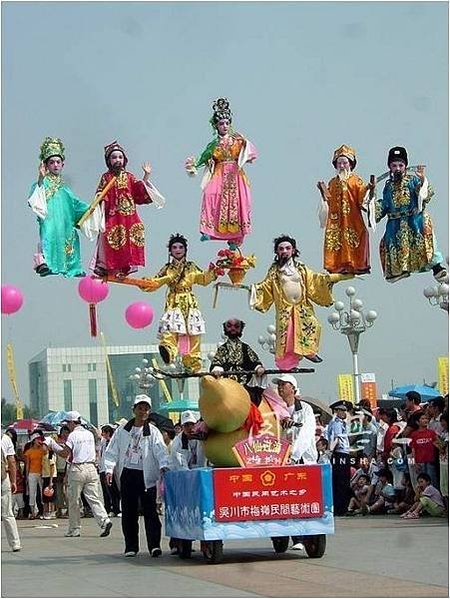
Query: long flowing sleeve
point(196, 276)
point(262, 295)
point(318, 286)
point(164, 277)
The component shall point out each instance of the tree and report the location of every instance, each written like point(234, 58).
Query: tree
point(9, 412)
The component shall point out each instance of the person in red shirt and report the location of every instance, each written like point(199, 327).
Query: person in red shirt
point(424, 450)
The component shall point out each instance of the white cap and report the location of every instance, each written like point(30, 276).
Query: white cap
point(286, 378)
point(142, 399)
point(35, 436)
point(188, 416)
point(72, 416)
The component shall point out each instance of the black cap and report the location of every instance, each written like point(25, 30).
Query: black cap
point(397, 153)
point(341, 404)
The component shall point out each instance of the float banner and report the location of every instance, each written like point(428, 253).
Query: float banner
point(284, 492)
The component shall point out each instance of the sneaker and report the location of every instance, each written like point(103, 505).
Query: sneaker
point(174, 551)
point(298, 547)
point(106, 529)
point(164, 353)
point(73, 533)
point(15, 549)
point(156, 552)
point(130, 553)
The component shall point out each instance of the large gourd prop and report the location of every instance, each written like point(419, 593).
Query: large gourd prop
point(226, 409)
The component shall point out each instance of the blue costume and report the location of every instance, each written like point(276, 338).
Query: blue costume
point(408, 244)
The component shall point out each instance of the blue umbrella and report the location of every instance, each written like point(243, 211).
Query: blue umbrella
point(425, 392)
point(55, 419)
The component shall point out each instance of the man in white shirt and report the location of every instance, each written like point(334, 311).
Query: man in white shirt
point(8, 486)
point(82, 475)
point(187, 452)
point(138, 453)
point(300, 428)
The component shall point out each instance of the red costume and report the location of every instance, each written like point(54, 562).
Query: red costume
point(120, 248)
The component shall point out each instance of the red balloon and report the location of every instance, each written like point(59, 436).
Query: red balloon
point(92, 290)
point(12, 299)
point(139, 315)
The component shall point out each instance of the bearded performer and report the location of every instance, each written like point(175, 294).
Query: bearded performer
point(227, 203)
point(293, 288)
point(234, 354)
point(121, 240)
point(408, 244)
point(58, 210)
point(182, 323)
point(346, 244)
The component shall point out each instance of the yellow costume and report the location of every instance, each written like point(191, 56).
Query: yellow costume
point(293, 288)
point(182, 319)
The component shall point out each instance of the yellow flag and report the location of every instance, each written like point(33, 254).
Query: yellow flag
point(345, 387)
point(443, 375)
point(13, 380)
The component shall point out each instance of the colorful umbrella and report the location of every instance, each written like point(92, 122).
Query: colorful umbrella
point(425, 392)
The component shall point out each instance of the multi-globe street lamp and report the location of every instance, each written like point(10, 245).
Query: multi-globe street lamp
point(351, 323)
point(437, 295)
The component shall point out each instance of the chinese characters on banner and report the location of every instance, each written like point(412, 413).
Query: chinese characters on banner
point(345, 387)
point(263, 450)
point(369, 388)
point(284, 492)
point(443, 375)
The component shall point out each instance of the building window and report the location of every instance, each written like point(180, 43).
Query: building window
point(92, 367)
point(93, 416)
point(67, 395)
point(67, 367)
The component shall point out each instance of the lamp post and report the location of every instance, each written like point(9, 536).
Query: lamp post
point(437, 295)
point(143, 376)
point(268, 341)
point(351, 323)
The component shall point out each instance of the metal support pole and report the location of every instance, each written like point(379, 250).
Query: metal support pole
point(356, 378)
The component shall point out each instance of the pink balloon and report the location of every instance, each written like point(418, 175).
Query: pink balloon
point(139, 315)
point(92, 290)
point(12, 299)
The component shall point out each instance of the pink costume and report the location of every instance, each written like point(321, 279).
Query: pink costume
point(227, 202)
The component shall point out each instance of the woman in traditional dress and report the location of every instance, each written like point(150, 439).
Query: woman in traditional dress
point(226, 204)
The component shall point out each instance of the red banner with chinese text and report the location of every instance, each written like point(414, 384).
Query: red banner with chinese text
point(284, 492)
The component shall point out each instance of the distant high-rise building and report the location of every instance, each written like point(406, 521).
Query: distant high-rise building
point(76, 378)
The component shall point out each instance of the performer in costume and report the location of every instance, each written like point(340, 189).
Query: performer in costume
point(346, 243)
point(293, 288)
point(182, 323)
point(408, 244)
point(226, 204)
point(121, 240)
point(58, 210)
point(234, 354)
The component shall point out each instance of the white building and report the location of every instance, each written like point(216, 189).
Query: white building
point(76, 378)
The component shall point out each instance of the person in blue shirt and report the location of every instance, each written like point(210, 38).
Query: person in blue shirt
point(339, 445)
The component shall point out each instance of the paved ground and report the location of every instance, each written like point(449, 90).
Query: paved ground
point(367, 557)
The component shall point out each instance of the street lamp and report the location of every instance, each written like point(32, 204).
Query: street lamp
point(352, 323)
point(268, 341)
point(437, 295)
point(144, 376)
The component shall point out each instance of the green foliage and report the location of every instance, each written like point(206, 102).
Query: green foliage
point(9, 412)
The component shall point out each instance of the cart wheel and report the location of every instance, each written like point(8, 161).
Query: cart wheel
point(184, 549)
point(280, 544)
point(315, 545)
point(212, 551)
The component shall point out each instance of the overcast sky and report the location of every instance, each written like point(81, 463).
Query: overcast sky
point(302, 78)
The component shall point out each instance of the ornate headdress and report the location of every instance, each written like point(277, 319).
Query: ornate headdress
point(221, 110)
point(112, 147)
point(346, 151)
point(52, 146)
point(177, 238)
point(398, 153)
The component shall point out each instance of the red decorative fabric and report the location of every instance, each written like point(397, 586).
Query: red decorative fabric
point(121, 248)
point(254, 420)
point(93, 319)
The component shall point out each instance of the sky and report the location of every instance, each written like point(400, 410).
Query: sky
point(302, 79)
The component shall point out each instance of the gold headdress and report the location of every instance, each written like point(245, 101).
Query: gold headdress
point(52, 146)
point(346, 151)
